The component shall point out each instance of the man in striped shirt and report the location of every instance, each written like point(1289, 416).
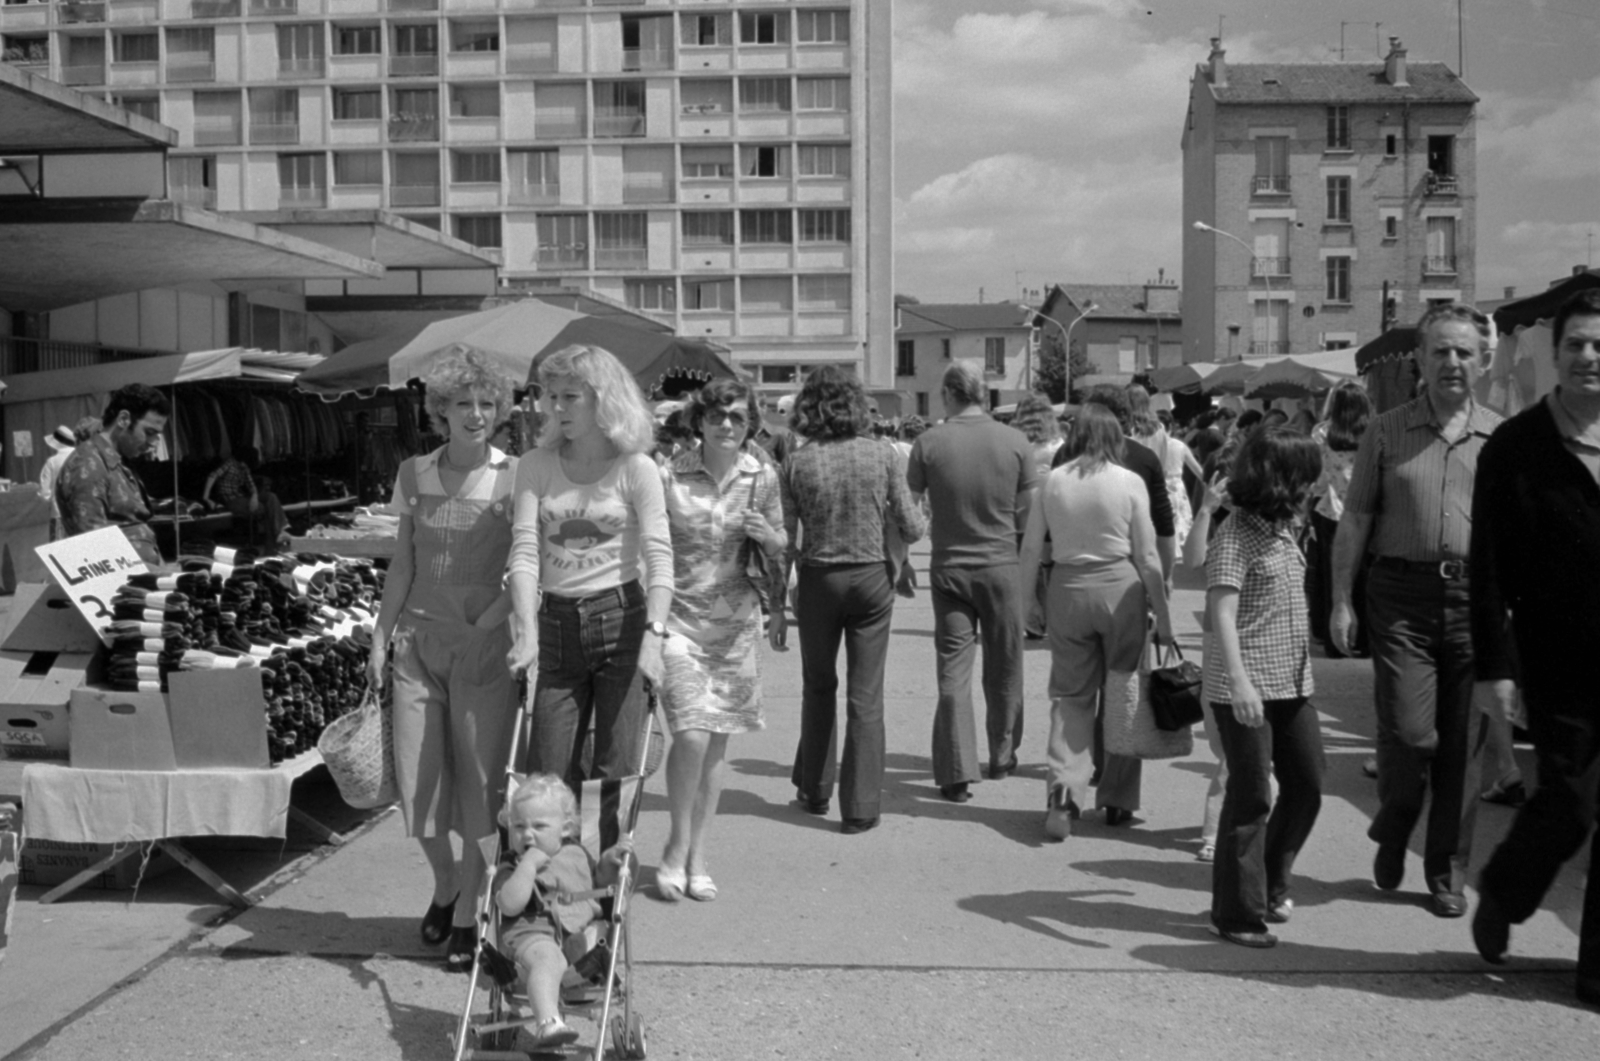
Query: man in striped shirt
point(1410, 505)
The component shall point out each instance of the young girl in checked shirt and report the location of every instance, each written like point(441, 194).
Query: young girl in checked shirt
point(1258, 680)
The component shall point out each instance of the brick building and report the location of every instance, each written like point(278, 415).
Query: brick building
point(1329, 184)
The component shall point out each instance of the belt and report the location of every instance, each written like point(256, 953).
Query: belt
point(1450, 570)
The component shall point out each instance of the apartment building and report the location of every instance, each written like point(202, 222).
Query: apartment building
point(720, 165)
point(1322, 200)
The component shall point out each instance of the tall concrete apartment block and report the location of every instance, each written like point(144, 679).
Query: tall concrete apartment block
point(1341, 181)
point(721, 165)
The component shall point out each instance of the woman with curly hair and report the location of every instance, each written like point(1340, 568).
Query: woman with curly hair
point(442, 627)
point(591, 566)
point(1036, 418)
point(846, 488)
point(1258, 681)
point(722, 500)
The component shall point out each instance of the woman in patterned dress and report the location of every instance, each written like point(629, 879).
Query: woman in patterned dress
point(718, 495)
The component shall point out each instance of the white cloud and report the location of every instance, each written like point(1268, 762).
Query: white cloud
point(1544, 139)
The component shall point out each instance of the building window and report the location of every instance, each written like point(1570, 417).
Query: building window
point(357, 40)
point(535, 176)
point(475, 167)
point(822, 27)
point(621, 241)
point(824, 226)
point(708, 295)
point(1441, 245)
point(414, 114)
point(766, 226)
point(475, 101)
point(765, 161)
point(1339, 128)
point(358, 168)
point(414, 181)
point(823, 94)
point(827, 293)
point(217, 119)
point(708, 228)
point(563, 241)
point(417, 39)
point(619, 108)
point(1272, 165)
point(1391, 144)
point(474, 36)
point(905, 357)
point(650, 295)
point(1339, 200)
point(824, 160)
point(701, 96)
point(944, 348)
point(770, 28)
point(1338, 268)
point(136, 47)
point(302, 179)
point(1270, 327)
point(357, 104)
point(559, 110)
point(707, 163)
point(994, 355)
point(766, 294)
point(1391, 226)
point(764, 95)
point(300, 50)
point(143, 106)
point(193, 179)
point(707, 31)
point(780, 374)
point(480, 230)
point(1442, 178)
point(922, 403)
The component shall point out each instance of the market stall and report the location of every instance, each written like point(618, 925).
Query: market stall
point(1524, 368)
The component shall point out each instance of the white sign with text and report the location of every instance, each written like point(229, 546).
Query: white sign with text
point(91, 568)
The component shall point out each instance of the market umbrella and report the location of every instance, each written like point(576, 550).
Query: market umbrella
point(509, 335)
point(1230, 378)
point(1526, 312)
point(652, 357)
point(1187, 378)
point(1291, 379)
point(1392, 344)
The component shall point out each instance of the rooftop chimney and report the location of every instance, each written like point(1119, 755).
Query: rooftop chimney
point(1219, 66)
point(1511, 292)
point(1394, 64)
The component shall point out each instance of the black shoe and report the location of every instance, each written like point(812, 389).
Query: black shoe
point(463, 945)
point(851, 826)
point(809, 805)
point(1256, 940)
point(1094, 778)
point(1448, 904)
point(1000, 773)
point(1491, 932)
point(956, 793)
point(1118, 816)
point(1512, 795)
point(436, 922)
point(1389, 866)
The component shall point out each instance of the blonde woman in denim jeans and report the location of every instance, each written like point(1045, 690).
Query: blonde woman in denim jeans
point(591, 567)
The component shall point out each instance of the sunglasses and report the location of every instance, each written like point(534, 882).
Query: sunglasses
point(716, 416)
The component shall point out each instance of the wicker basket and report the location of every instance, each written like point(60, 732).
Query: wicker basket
point(359, 751)
point(1130, 723)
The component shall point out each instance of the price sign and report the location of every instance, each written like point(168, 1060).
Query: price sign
point(90, 568)
point(22, 443)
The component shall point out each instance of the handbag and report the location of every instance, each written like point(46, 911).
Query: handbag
point(1130, 720)
point(359, 750)
point(758, 567)
point(1175, 693)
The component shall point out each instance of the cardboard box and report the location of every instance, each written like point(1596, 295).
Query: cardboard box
point(44, 619)
point(50, 862)
point(35, 690)
point(112, 730)
point(218, 718)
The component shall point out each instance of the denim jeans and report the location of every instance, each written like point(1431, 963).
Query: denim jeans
point(589, 671)
point(1258, 838)
point(1430, 741)
point(970, 603)
point(853, 603)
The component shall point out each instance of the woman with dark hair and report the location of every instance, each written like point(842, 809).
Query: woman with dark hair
point(1258, 681)
point(847, 490)
point(1176, 457)
point(1345, 417)
point(720, 495)
point(1107, 577)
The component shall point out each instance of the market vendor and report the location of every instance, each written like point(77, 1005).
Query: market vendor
point(254, 506)
point(96, 488)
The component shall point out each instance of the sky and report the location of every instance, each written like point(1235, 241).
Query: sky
point(1037, 141)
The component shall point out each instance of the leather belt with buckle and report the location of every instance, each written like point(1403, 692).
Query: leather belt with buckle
point(1452, 569)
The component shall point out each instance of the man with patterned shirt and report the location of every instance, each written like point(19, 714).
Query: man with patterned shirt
point(1410, 505)
point(96, 488)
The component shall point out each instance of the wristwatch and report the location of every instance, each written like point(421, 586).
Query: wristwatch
point(655, 626)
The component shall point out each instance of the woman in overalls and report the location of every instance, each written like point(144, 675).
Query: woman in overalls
point(443, 626)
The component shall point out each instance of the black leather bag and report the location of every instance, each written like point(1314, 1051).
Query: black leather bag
point(1175, 693)
point(759, 568)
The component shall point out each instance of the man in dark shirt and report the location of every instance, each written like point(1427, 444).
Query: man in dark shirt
point(1535, 551)
point(96, 488)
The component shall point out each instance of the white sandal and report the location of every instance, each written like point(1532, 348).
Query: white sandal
point(701, 887)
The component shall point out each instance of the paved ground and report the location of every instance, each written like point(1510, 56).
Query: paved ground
point(949, 932)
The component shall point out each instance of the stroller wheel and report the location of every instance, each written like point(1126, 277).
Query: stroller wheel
point(627, 1038)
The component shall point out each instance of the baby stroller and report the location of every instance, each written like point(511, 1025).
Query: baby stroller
point(594, 986)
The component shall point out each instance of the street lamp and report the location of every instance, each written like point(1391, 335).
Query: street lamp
point(1066, 340)
point(1265, 277)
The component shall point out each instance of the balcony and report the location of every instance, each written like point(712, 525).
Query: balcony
point(622, 258)
point(646, 188)
point(216, 132)
point(214, 8)
point(414, 65)
point(86, 74)
point(1443, 184)
point(274, 7)
point(615, 123)
point(403, 128)
point(636, 59)
point(414, 195)
point(274, 132)
point(302, 197)
point(1269, 184)
point(569, 256)
point(411, 5)
point(530, 61)
point(533, 194)
point(311, 66)
point(81, 11)
point(182, 69)
point(1439, 265)
point(1269, 267)
point(1269, 348)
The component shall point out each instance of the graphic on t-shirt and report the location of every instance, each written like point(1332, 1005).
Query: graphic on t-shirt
point(583, 538)
point(579, 536)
